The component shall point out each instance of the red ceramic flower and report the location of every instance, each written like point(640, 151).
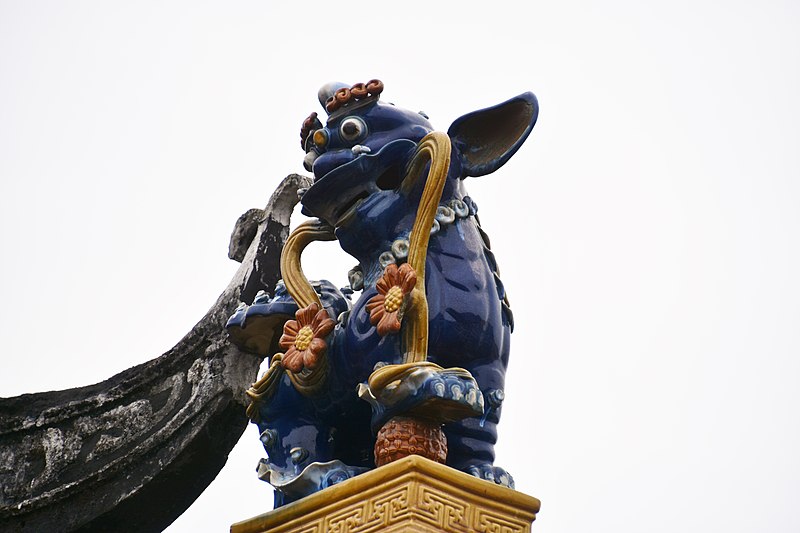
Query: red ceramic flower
point(386, 308)
point(304, 338)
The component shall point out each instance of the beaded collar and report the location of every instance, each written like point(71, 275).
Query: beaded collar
point(446, 214)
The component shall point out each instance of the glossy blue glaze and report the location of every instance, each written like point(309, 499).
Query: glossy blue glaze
point(356, 190)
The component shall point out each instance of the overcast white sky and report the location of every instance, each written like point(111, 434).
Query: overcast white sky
point(647, 231)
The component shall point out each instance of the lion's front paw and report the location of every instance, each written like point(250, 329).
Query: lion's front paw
point(490, 472)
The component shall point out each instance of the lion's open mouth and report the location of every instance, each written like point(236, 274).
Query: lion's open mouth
point(349, 209)
point(335, 196)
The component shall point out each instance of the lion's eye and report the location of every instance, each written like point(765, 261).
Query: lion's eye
point(352, 129)
point(320, 139)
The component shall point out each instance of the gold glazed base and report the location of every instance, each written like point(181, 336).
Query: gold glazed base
point(412, 494)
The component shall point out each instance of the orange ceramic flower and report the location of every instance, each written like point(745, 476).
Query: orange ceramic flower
point(304, 338)
point(386, 308)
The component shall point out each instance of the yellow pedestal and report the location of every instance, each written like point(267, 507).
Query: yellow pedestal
point(412, 494)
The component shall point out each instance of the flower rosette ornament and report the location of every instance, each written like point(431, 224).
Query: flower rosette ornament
point(303, 339)
point(387, 307)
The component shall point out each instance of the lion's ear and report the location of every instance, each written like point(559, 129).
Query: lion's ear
point(486, 139)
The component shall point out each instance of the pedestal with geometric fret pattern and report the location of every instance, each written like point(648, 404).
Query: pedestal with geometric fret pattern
point(412, 494)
